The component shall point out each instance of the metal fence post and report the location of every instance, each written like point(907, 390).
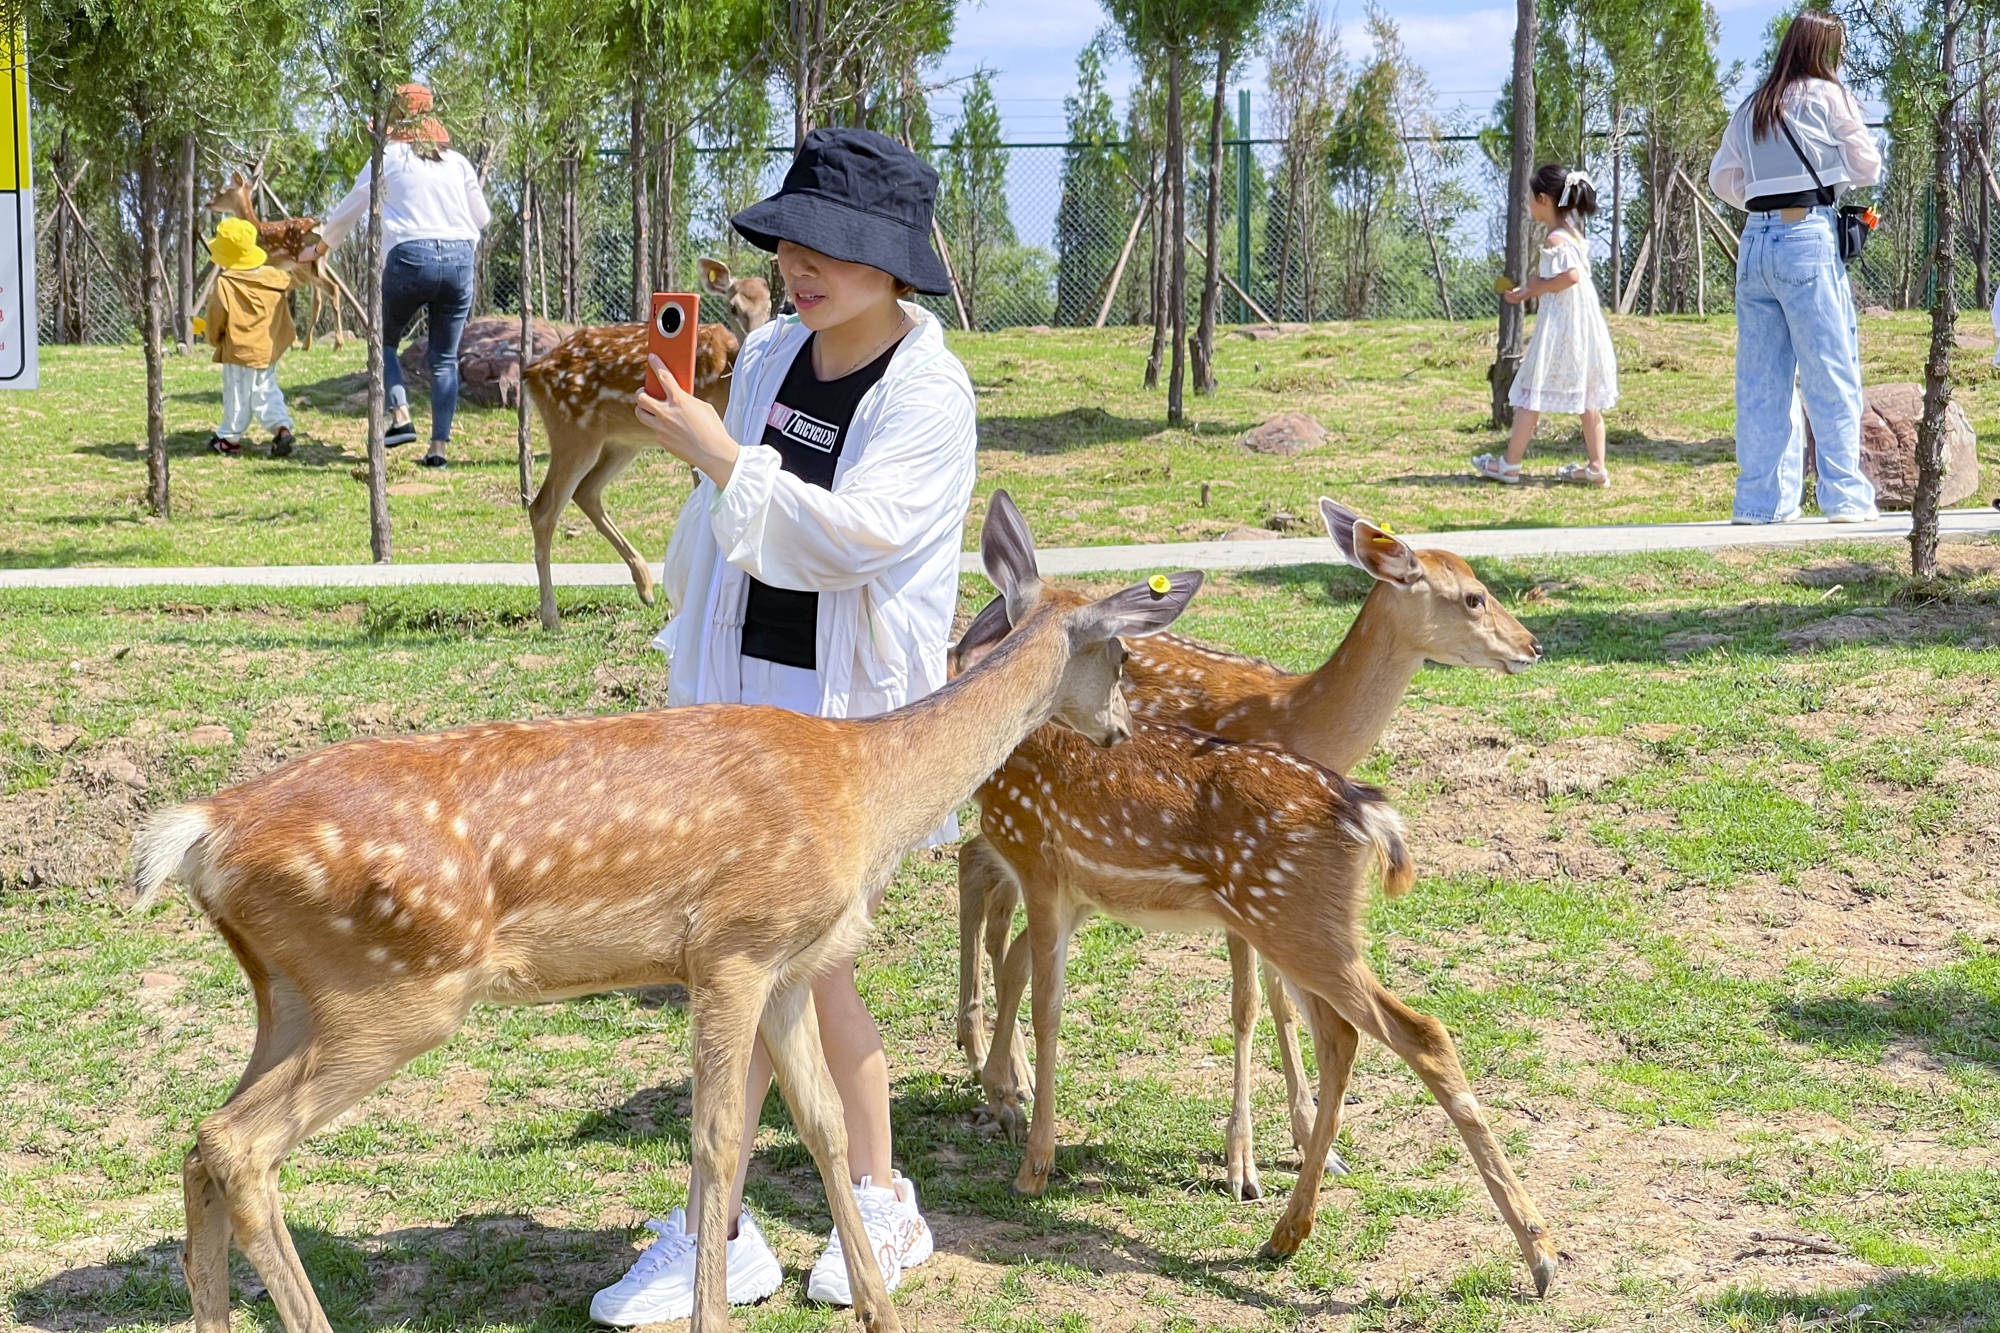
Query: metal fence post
point(1242, 200)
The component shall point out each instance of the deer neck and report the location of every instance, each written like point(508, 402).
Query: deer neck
point(931, 756)
point(1343, 707)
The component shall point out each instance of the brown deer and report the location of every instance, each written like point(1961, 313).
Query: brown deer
point(1426, 605)
point(281, 241)
point(585, 390)
point(375, 890)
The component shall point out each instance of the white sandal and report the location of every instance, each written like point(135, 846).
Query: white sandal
point(1495, 467)
point(1584, 474)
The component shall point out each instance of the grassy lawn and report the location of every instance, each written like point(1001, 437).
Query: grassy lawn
point(1064, 424)
point(1709, 901)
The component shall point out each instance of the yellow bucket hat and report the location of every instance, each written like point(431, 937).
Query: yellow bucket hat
point(235, 245)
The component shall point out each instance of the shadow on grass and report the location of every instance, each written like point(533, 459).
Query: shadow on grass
point(1952, 1011)
point(1059, 432)
point(64, 554)
point(307, 452)
point(1900, 1301)
point(1862, 613)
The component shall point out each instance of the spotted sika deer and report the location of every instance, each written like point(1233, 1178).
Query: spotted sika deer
point(1425, 605)
point(585, 390)
point(375, 890)
point(281, 241)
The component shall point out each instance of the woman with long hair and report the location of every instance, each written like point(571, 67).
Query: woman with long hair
point(1791, 150)
point(433, 210)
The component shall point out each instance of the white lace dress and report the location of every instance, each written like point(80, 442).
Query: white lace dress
point(1569, 365)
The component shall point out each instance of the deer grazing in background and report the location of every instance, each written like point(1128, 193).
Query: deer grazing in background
point(1425, 605)
point(281, 241)
point(373, 891)
point(1180, 829)
point(585, 390)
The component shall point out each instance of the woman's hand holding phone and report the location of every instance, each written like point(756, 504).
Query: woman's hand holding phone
point(686, 427)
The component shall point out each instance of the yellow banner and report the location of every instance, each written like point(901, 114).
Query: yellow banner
point(14, 110)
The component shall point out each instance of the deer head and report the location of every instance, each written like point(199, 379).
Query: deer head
point(748, 299)
point(234, 199)
point(1089, 701)
point(1441, 606)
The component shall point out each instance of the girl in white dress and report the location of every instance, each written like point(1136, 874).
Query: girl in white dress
point(1569, 366)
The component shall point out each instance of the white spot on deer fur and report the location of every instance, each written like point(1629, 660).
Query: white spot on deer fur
point(399, 966)
point(343, 924)
point(431, 809)
point(515, 857)
point(542, 866)
point(377, 954)
point(458, 825)
point(330, 840)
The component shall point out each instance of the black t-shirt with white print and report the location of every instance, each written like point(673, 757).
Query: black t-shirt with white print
point(808, 427)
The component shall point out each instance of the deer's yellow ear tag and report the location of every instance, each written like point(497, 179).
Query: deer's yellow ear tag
point(1386, 530)
point(1160, 585)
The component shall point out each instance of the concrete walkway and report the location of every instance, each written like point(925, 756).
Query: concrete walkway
point(1630, 539)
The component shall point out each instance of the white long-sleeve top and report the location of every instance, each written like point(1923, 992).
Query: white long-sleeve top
point(1830, 128)
point(881, 547)
point(421, 201)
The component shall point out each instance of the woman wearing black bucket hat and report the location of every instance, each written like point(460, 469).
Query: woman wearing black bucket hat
point(815, 568)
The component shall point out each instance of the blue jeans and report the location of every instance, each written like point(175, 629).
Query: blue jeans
point(435, 277)
point(1795, 322)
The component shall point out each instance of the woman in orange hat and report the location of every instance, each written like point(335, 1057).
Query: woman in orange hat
point(433, 210)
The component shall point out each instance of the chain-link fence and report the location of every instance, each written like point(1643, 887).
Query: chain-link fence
point(1072, 234)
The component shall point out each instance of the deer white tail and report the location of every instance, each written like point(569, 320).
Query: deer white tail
point(1376, 822)
point(164, 847)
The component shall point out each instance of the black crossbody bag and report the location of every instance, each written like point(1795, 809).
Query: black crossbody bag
point(1850, 226)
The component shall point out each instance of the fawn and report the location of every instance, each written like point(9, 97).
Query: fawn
point(281, 241)
point(585, 390)
point(373, 891)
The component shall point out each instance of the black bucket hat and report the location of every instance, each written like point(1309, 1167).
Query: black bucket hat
point(859, 196)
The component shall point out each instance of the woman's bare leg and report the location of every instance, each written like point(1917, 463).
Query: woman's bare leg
point(1524, 431)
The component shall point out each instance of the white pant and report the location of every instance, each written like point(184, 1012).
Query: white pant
point(247, 392)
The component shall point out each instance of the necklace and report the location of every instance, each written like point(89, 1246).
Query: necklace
point(902, 327)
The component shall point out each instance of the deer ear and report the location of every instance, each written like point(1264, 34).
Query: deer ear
point(1008, 552)
point(1135, 612)
point(1340, 521)
point(714, 276)
point(1383, 556)
point(981, 637)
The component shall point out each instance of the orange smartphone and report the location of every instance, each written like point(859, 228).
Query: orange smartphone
point(670, 336)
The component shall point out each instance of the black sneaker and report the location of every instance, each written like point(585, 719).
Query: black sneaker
point(435, 458)
point(218, 445)
point(397, 436)
point(281, 442)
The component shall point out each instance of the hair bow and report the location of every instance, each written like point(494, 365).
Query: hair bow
point(1570, 181)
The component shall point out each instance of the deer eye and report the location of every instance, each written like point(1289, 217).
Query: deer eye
point(1475, 600)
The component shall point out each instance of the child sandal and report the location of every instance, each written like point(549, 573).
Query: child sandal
point(1584, 474)
point(218, 445)
point(1495, 467)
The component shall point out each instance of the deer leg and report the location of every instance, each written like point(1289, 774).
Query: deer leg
point(1425, 1045)
point(1048, 943)
point(312, 316)
point(1240, 1150)
point(590, 499)
point(998, 1078)
point(976, 873)
point(571, 457)
point(791, 1034)
point(341, 1060)
point(1334, 1044)
point(1001, 897)
point(1298, 1089)
point(726, 1008)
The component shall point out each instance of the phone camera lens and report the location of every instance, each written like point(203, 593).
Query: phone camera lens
point(670, 320)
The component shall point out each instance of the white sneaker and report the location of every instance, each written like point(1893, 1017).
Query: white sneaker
point(660, 1284)
point(901, 1237)
point(1855, 516)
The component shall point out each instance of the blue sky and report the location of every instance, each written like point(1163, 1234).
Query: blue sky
point(1030, 46)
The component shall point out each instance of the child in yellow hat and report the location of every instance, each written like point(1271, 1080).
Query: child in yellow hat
point(249, 325)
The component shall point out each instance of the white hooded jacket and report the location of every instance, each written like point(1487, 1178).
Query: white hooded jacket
point(881, 547)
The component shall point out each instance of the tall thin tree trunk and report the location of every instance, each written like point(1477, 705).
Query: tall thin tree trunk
point(1507, 358)
point(378, 461)
point(1617, 201)
point(524, 454)
point(65, 309)
point(1157, 291)
point(1211, 274)
point(642, 244)
point(1177, 248)
point(185, 231)
point(153, 298)
point(571, 253)
point(1944, 315)
point(1983, 132)
point(670, 229)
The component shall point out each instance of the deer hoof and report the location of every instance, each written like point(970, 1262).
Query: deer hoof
point(1545, 1272)
point(1246, 1188)
point(1031, 1182)
point(1285, 1240)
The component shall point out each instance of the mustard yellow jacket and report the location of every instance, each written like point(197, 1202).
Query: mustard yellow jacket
point(249, 319)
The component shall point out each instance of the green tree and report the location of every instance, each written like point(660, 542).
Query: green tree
point(1096, 194)
point(135, 79)
point(1363, 160)
point(973, 196)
